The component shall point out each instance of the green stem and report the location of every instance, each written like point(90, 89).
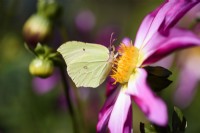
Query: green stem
point(80, 111)
point(68, 99)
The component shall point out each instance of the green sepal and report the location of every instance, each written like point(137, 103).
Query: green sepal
point(158, 77)
point(43, 51)
point(147, 128)
point(39, 49)
point(179, 122)
point(158, 71)
point(29, 49)
point(157, 83)
point(150, 128)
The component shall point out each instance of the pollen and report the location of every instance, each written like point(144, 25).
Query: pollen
point(125, 63)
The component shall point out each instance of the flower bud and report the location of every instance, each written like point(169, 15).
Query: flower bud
point(41, 67)
point(36, 29)
point(52, 10)
point(48, 8)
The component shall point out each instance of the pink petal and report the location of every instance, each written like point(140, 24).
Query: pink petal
point(177, 10)
point(189, 17)
point(118, 118)
point(105, 112)
point(128, 122)
point(110, 86)
point(188, 80)
point(148, 26)
point(162, 19)
point(152, 106)
point(166, 62)
point(159, 46)
point(126, 41)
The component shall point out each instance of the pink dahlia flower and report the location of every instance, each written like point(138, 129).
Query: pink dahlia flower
point(156, 38)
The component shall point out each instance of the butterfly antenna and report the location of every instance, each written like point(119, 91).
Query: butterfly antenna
point(111, 47)
point(111, 37)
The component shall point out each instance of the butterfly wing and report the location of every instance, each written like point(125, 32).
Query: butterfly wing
point(88, 64)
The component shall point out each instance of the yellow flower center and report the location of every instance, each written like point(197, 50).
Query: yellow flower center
point(125, 64)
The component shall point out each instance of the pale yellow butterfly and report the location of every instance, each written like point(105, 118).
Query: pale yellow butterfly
point(88, 64)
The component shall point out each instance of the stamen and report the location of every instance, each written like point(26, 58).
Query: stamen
point(125, 64)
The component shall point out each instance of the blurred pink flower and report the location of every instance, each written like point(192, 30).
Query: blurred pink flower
point(190, 17)
point(61, 102)
point(44, 85)
point(155, 39)
point(189, 62)
point(85, 20)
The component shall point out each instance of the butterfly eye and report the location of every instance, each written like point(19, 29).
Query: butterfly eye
point(112, 48)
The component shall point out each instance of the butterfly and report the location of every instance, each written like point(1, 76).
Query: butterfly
point(88, 64)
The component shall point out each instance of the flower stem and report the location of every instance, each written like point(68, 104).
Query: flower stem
point(80, 107)
point(68, 99)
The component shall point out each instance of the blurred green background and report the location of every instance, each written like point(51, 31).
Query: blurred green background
point(24, 110)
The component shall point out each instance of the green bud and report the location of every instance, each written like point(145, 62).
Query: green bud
point(41, 67)
point(48, 8)
point(36, 29)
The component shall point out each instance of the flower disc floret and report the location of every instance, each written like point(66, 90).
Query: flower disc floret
point(125, 63)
